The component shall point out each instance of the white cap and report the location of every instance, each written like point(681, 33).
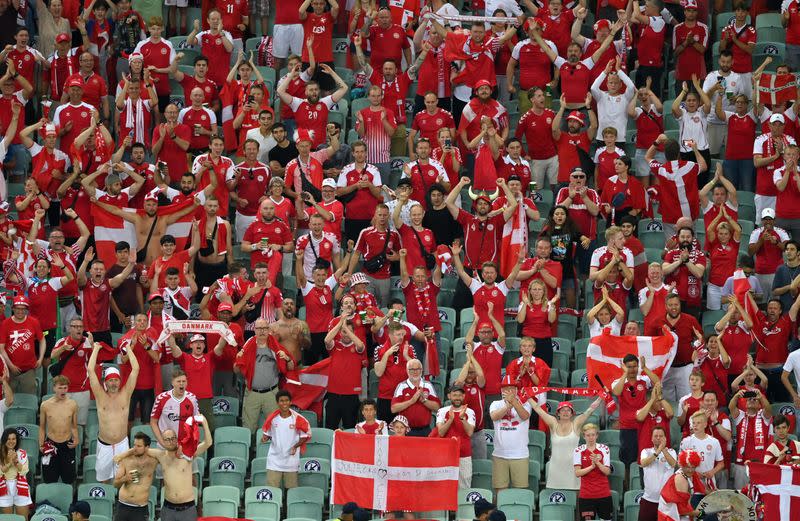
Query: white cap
point(329, 182)
point(197, 338)
point(777, 118)
point(768, 213)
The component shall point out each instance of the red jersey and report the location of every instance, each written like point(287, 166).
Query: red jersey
point(535, 68)
point(395, 371)
point(43, 297)
point(427, 125)
point(96, 299)
point(386, 44)
point(94, 88)
point(538, 128)
point(251, 186)
point(604, 160)
point(80, 117)
point(651, 42)
point(25, 61)
point(21, 341)
point(275, 231)
point(788, 201)
point(649, 124)
point(43, 164)
point(577, 78)
point(60, 68)
point(684, 329)
point(594, 484)
point(421, 308)
point(220, 167)
point(770, 255)
point(716, 377)
point(376, 137)
point(475, 110)
point(174, 156)
point(481, 239)
point(632, 189)
point(333, 227)
point(585, 221)
point(345, 369)
point(199, 372)
point(321, 27)
point(633, 398)
point(723, 261)
point(296, 88)
point(490, 358)
point(130, 343)
point(793, 27)
point(177, 260)
point(171, 411)
point(417, 414)
point(774, 338)
point(659, 419)
point(690, 61)
point(738, 340)
point(198, 117)
point(288, 12)
point(741, 136)
point(233, 11)
point(690, 405)
point(689, 287)
point(313, 117)
point(209, 88)
point(433, 74)
point(677, 189)
point(75, 366)
point(319, 305)
point(482, 294)
point(363, 205)
point(475, 398)
point(422, 177)
point(743, 61)
point(212, 46)
point(159, 54)
point(372, 242)
point(506, 167)
point(765, 146)
point(456, 429)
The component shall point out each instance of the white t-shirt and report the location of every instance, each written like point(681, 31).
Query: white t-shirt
point(734, 84)
point(283, 437)
point(656, 474)
point(693, 126)
point(441, 415)
point(510, 433)
point(265, 144)
point(708, 448)
point(595, 328)
point(793, 364)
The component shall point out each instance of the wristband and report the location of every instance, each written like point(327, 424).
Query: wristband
point(655, 144)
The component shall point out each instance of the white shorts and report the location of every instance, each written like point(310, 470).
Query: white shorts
point(287, 38)
point(83, 399)
point(12, 499)
point(179, 3)
point(104, 464)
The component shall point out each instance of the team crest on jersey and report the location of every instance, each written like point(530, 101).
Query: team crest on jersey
point(473, 390)
point(439, 121)
point(318, 106)
point(490, 227)
point(203, 117)
point(277, 229)
point(396, 36)
point(260, 178)
point(219, 41)
point(103, 287)
point(426, 239)
point(494, 292)
point(27, 57)
point(163, 51)
point(84, 114)
point(549, 120)
point(490, 349)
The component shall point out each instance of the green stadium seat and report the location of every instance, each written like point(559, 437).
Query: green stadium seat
point(653, 239)
point(467, 497)
point(562, 344)
point(516, 503)
point(560, 361)
point(221, 501)
point(100, 497)
point(557, 512)
point(617, 477)
point(550, 496)
point(771, 34)
point(315, 472)
point(579, 378)
point(251, 44)
point(58, 494)
point(226, 411)
point(357, 105)
point(28, 434)
point(146, 429)
point(89, 474)
point(534, 475)
point(48, 517)
point(258, 472)
point(646, 225)
point(634, 477)
point(305, 502)
point(482, 473)
point(263, 502)
point(321, 443)
point(232, 441)
point(12, 517)
point(653, 254)
point(311, 416)
point(768, 20)
point(341, 49)
point(227, 470)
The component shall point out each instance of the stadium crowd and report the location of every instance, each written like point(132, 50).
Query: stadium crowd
point(429, 207)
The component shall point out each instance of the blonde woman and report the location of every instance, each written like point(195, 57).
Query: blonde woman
point(536, 315)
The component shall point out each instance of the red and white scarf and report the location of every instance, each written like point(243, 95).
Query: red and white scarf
point(134, 118)
point(759, 437)
point(422, 297)
point(611, 405)
point(178, 299)
point(364, 300)
point(57, 82)
point(23, 488)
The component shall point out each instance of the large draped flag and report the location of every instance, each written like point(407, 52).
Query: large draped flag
point(774, 89)
point(308, 386)
point(514, 239)
point(391, 473)
point(606, 351)
point(110, 229)
point(774, 489)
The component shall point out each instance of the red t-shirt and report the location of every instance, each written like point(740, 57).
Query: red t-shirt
point(96, 306)
point(536, 324)
point(21, 341)
point(363, 205)
point(716, 377)
point(173, 155)
point(770, 255)
point(421, 308)
point(594, 484)
point(209, 88)
point(321, 27)
point(604, 160)
point(417, 414)
point(394, 94)
point(160, 55)
point(232, 13)
point(252, 185)
point(490, 358)
point(94, 88)
point(482, 294)
point(345, 369)
point(723, 261)
point(371, 243)
point(178, 259)
point(276, 232)
point(738, 341)
point(787, 205)
point(585, 221)
point(743, 61)
point(684, 328)
point(691, 405)
point(202, 117)
point(395, 371)
point(199, 372)
point(414, 247)
point(312, 117)
point(287, 12)
point(146, 378)
point(386, 44)
point(79, 115)
point(633, 398)
point(659, 419)
point(535, 68)
point(690, 61)
point(319, 305)
point(75, 367)
point(741, 136)
point(428, 125)
point(537, 128)
point(774, 337)
point(475, 398)
point(689, 287)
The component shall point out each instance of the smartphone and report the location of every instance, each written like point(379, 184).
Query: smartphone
point(749, 394)
point(448, 143)
point(688, 143)
point(250, 99)
point(720, 78)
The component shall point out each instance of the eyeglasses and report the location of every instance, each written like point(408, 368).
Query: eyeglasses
point(415, 369)
point(578, 177)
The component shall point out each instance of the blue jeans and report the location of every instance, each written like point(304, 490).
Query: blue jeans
point(741, 173)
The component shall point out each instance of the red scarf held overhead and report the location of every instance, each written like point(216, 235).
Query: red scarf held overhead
point(246, 359)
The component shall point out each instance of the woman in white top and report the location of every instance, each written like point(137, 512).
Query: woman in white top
point(14, 468)
point(612, 104)
point(565, 429)
point(693, 120)
point(599, 317)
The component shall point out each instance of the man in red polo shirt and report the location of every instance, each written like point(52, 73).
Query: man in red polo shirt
point(537, 127)
point(653, 299)
point(248, 187)
point(767, 243)
point(774, 329)
point(689, 43)
point(171, 141)
point(535, 68)
point(684, 266)
point(348, 357)
point(416, 399)
point(676, 381)
point(387, 41)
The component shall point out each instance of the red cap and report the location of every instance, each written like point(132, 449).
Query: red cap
point(689, 4)
point(601, 24)
point(485, 324)
point(74, 82)
point(112, 372)
point(224, 306)
point(565, 404)
point(577, 116)
point(482, 83)
point(508, 381)
point(63, 37)
point(21, 300)
point(154, 296)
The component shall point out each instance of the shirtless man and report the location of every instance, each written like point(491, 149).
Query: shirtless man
point(177, 468)
point(133, 479)
point(291, 332)
point(149, 227)
point(216, 245)
point(113, 402)
point(58, 429)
